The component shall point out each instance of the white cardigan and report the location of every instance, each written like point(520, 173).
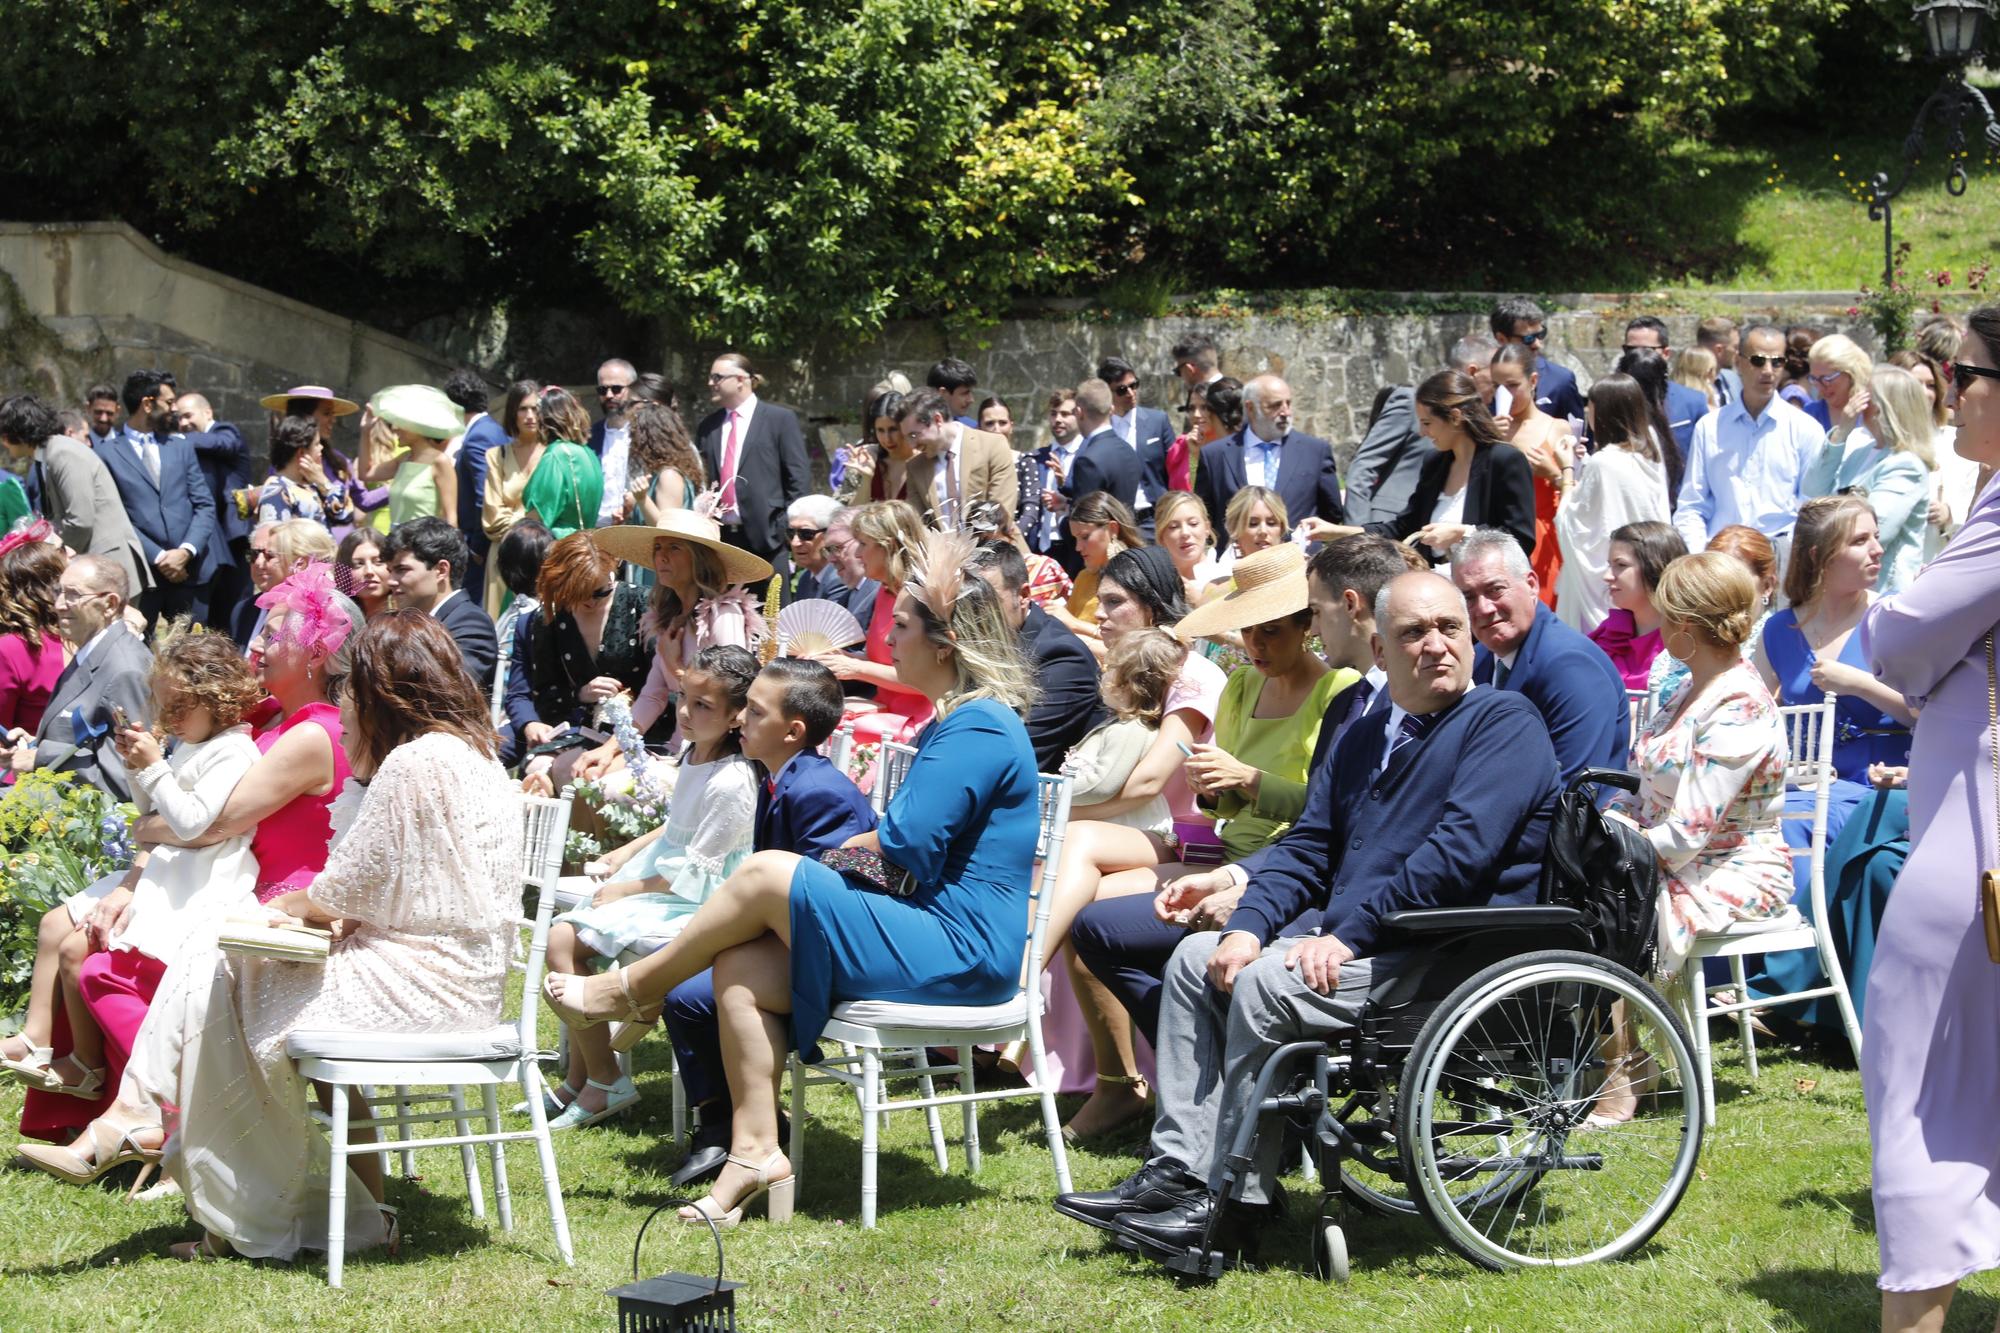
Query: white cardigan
point(1615, 486)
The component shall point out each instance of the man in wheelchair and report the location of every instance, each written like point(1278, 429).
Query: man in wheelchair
point(1443, 800)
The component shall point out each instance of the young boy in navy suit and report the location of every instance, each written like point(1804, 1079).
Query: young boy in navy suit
point(806, 806)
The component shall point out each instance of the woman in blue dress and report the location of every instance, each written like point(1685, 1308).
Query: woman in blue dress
point(789, 938)
point(1807, 650)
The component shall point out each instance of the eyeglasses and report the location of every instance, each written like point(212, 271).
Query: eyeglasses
point(1828, 378)
point(1766, 362)
point(611, 390)
point(1961, 372)
point(66, 597)
point(806, 534)
point(717, 379)
point(599, 594)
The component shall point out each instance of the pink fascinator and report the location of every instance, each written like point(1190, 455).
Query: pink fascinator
point(318, 622)
point(37, 532)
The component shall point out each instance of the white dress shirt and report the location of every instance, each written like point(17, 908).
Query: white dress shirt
point(1745, 469)
point(947, 478)
point(617, 469)
point(1065, 456)
point(1260, 460)
point(741, 413)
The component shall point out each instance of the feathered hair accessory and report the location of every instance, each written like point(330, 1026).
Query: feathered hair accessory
point(317, 621)
point(938, 580)
point(35, 532)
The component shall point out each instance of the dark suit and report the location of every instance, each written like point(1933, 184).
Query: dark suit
point(1499, 493)
point(1387, 461)
point(1573, 685)
point(1126, 946)
point(771, 472)
point(225, 465)
point(113, 672)
point(176, 510)
point(814, 808)
point(1152, 432)
point(483, 434)
point(1555, 389)
point(1067, 704)
point(1307, 480)
point(1105, 463)
point(472, 629)
point(796, 585)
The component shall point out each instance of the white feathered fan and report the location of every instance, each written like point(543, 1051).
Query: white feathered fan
point(816, 625)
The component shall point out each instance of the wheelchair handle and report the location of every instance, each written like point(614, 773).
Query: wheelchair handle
point(1609, 777)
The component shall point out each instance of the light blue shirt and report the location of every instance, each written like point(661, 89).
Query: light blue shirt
point(1748, 470)
point(1260, 460)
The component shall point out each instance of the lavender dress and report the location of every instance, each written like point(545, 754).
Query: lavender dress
point(1931, 1048)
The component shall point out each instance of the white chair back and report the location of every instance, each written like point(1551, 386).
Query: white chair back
point(545, 827)
point(1641, 704)
point(1052, 795)
point(890, 770)
point(840, 745)
point(1809, 735)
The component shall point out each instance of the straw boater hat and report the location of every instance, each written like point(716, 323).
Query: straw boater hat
point(277, 402)
point(419, 408)
point(634, 544)
point(1270, 585)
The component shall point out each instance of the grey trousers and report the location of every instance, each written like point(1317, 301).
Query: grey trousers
point(1212, 1045)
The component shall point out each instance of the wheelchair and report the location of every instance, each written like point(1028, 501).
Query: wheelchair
point(1463, 1094)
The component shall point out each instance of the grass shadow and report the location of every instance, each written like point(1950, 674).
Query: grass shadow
point(1830, 1300)
point(1858, 1205)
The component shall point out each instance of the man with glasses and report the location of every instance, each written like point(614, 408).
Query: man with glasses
point(611, 437)
point(1685, 406)
point(76, 491)
point(1146, 429)
point(1749, 458)
point(1267, 452)
point(956, 465)
point(1196, 361)
point(426, 557)
point(1519, 320)
point(804, 571)
point(108, 673)
point(755, 455)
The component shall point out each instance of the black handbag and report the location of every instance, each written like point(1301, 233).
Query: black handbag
point(870, 869)
point(1606, 870)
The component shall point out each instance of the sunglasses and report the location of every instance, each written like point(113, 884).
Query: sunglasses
point(1829, 378)
point(1961, 373)
point(1122, 390)
point(1532, 338)
point(806, 534)
point(1766, 362)
point(611, 390)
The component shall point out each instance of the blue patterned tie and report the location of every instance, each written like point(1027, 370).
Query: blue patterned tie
point(1413, 727)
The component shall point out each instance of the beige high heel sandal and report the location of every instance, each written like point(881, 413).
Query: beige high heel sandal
point(778, 1202)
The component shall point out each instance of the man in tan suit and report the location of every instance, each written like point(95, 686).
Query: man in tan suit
point(78, 494)
point(956, 466)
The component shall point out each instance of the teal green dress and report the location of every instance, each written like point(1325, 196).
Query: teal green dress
point(964, 823)
point(13, 504)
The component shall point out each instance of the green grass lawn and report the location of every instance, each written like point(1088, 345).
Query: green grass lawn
point(1775, 1233)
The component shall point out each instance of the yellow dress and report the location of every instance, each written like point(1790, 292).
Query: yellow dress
point(1083, 597)
point(502, 508)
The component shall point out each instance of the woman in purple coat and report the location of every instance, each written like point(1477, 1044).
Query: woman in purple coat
point(1931, 1047)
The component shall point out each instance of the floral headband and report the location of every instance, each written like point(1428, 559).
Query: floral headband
point(318, 622)
point(35, 533)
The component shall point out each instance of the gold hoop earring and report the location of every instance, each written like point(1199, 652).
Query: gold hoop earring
point(1684, 634)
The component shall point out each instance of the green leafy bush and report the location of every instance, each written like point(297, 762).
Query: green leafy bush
point(57, 837)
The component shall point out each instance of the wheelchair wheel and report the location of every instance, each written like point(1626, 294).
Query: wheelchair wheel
point(1492, 1127)
point(1370, 1190)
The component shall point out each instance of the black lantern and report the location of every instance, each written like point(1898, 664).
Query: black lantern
point(676, 1302)
point(1955, 31)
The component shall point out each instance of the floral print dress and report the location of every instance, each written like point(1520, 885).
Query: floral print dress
point(1711, 799)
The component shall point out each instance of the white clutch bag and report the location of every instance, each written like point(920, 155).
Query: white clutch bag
point(253, 937)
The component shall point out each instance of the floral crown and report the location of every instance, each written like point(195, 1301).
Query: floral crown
point(318, 622)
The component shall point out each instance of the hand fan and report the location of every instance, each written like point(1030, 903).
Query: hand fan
point(815, 625)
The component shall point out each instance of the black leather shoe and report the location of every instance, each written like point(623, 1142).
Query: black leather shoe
point(710, 1149)
point(1153, 1187)
point(1184, 1226)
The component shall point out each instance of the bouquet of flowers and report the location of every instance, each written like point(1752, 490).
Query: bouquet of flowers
point(57, 836)
point(629, 802)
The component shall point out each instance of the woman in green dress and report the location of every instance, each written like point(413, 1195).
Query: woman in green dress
point(403, 439)
point(541, 471)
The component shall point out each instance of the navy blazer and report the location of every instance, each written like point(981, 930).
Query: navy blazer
point(1685, 406)
point(1555, 389)
point(483, 434)
point(814, 808)
point(1105, 463)
point(1152, 432)
point(1307, 479)
point(1499, 493)
point(473, 631)
point(1458, 819)
point(177, 509)
point(1067, 703)
point(1573, 685)
point(225, 465)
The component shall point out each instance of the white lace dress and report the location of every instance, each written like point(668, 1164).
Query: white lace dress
point(711, 828)
point(431, 872)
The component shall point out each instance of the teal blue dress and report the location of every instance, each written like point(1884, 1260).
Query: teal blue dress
point(964, 823)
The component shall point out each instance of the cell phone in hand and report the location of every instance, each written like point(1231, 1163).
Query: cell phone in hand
point(120, 719)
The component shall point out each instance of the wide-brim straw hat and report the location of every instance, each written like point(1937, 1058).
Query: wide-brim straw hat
point(277, 402)
point(634, 544)
point(420, 408)
point(1270, 585)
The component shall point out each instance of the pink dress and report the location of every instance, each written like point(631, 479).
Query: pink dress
point(27, 682)
point(893, 698)
point(291, 842)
